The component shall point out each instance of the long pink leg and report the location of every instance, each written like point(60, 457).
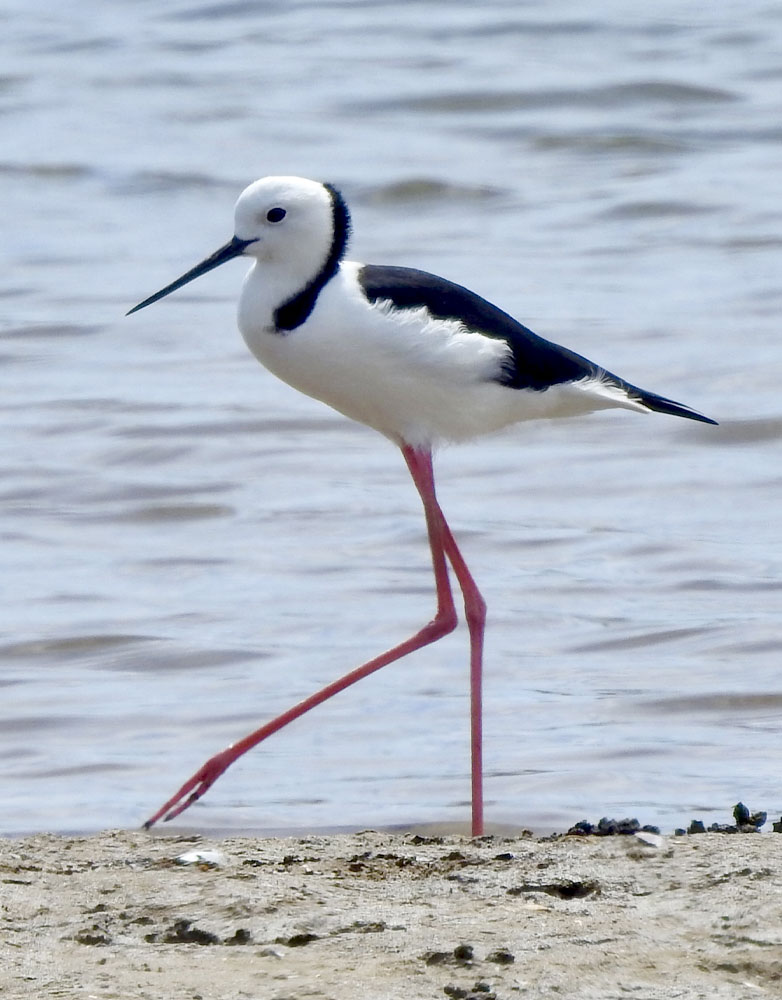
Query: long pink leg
point(420, 464)
point(441, 544)
point(475, 613)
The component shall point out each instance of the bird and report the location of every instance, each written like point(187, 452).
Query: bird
point(418, 358)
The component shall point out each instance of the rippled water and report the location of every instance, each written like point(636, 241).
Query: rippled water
point(190, 546)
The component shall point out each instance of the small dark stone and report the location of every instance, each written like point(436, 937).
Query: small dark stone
point(776, 826)
point(297, 940)
point(481, 987)
point(501, 957)
point(365, 927)
point(241, 936)
point(567, 889)
point(183, 932)
point(696, 826)
point(617, 827)
point(576, 889)
point(744, 818)
point(437, 957)
point(454, 991)
point(581, 829)
point(92, 937)
point(463, 953)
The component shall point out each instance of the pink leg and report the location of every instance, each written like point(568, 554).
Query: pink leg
point(420, 465)
point(475, 612)
point(441, 543)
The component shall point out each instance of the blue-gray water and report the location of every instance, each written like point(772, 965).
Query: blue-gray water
point(188, 546)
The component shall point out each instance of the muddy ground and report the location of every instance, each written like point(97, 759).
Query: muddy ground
point(387, 916)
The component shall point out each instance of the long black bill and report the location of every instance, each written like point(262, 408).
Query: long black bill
point(232, 249)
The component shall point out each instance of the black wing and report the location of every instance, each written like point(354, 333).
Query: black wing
point(535, 363)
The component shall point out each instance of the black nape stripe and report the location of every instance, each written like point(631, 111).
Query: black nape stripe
point(295, 311)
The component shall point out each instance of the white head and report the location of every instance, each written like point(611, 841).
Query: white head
point(291, 226)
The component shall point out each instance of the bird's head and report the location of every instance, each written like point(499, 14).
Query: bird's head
point(295, 227)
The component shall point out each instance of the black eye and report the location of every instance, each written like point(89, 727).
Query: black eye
point(276, 214)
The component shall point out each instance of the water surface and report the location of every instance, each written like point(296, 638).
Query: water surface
point(190, 546)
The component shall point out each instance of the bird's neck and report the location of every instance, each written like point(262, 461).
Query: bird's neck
point(279, 300)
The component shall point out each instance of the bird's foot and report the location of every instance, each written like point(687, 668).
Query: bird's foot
point(194, 787)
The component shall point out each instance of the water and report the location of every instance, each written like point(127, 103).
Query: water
point(189, 546)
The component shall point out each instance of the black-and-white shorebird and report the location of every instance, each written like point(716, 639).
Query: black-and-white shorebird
point(420, 359)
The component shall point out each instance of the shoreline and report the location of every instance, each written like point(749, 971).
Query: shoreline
point(388, 914)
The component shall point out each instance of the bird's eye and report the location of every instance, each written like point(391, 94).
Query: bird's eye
point(276, 214)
